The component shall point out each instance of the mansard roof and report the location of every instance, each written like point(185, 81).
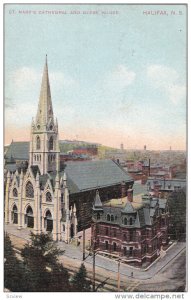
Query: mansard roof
point(166, 184)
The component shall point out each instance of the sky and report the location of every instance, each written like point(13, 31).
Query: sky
point(118, 73)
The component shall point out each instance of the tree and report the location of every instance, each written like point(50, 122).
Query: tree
point(79, 281)
point(40, 257)
point(15, 274)
point(177, 209)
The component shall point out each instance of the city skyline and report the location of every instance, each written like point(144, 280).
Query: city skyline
point(118, 74)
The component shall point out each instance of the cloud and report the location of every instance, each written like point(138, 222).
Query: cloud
point(167, 79)
point(23, 89)
point(120, 78)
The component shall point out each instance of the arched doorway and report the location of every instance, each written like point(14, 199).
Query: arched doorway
point(29, 217)
point(15, 215)
point(48, 221)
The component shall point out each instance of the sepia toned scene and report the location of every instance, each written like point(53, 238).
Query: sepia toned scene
point(95, 148)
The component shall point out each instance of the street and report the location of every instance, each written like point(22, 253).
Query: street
point(160, 275)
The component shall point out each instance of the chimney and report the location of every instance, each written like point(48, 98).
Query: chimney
point(130, 194)
point(123, 190)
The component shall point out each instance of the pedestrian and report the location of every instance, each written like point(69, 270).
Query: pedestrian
point(131, 274)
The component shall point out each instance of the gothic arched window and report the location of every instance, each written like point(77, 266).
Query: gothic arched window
point(125, 221)
point(15, 193)
point(108, 217)
point(131, 221)
point(112, 218)
point(29, 190)
point(38, 143)
point(51, 143)
point(48, 197)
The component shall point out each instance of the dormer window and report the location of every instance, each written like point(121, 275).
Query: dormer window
point(125, 221)
point(108, 217)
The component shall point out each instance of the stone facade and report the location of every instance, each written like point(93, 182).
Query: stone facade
point(33, 197)
point(46, 195)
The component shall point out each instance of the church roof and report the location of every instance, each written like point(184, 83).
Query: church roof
point(18, 151)
point(87, 175)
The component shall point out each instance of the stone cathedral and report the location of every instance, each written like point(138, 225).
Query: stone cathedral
point(47, 195)
point(35, 199)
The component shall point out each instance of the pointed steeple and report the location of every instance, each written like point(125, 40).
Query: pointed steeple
point(97, 201)
point(45, 110)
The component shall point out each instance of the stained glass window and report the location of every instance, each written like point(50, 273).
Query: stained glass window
point(29, 190)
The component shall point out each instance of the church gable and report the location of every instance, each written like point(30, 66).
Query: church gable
point(48, 194)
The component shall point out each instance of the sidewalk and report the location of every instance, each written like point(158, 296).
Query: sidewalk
point(74, 252)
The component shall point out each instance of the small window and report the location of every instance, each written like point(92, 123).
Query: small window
point(130, 221)
point(62, 197)
point(15, 193)
point(114, 246)
point(112, 218)
point(125, 221)
point(108, 217)
point(131, 251)
point(48, 197)
point(51, 143)
point(38, 143)
point(106, 245)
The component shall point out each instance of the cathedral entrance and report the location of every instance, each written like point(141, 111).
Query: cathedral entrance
point(29, 217)
point(15, 215)
point(48, 221)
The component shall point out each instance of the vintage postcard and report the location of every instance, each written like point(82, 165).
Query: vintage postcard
point(95, 149)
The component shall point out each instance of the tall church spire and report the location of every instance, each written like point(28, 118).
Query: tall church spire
point(45, 111)
point(44, 143)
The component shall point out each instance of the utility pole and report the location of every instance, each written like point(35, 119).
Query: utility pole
point(118, 276)
point(83, 244)
point(93, 269)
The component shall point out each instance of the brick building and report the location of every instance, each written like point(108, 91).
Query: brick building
point(133, 231)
